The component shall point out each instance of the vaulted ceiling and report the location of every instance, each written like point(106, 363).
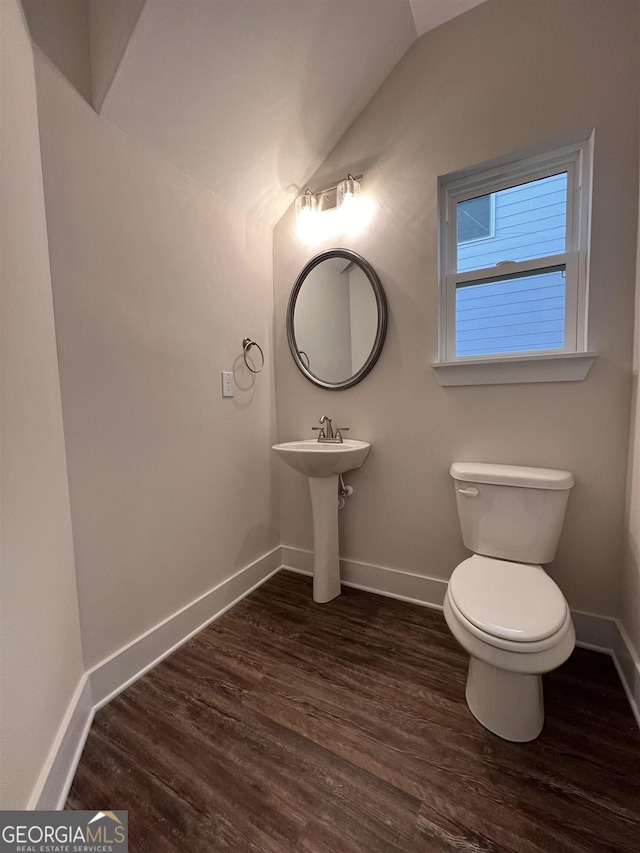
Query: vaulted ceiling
point(248, 97)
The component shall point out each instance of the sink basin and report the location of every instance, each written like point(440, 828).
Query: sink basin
point(314, 459)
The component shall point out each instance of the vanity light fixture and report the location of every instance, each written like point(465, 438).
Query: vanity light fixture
point(306, 216)
point(347, 192)
point(306, 205)
point(341, 198)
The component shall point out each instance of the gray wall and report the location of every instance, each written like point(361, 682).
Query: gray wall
point(156, 281)
point(501, 78)
point(631, 575)
point(40, 632)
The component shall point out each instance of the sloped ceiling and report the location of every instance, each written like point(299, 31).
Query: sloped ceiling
point(429, 14)
point(248, 97)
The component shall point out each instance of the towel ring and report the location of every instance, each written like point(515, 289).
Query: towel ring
point(247, 343)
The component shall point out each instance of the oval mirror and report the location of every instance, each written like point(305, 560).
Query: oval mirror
point(336, 319)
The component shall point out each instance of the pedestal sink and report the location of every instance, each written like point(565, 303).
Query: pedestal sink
point(322, 463)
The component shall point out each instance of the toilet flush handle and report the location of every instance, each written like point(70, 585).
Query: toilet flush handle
point(470, 492)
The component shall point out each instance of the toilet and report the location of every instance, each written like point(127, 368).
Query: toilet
point(501, 606)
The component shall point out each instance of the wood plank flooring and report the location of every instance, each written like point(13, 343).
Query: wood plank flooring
point(343, 728)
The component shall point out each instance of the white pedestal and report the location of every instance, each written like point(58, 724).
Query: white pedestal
point(326, 561)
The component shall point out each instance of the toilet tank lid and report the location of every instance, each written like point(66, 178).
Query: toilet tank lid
point(512, 475)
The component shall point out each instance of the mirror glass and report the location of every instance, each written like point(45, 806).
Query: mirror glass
point(337, 319)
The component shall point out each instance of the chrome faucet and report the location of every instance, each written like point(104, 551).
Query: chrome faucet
point(326, 434)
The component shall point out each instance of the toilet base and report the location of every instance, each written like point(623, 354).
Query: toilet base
point(509, 704)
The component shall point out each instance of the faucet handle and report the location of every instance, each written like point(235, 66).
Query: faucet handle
point(321, 429)
point(339, 432)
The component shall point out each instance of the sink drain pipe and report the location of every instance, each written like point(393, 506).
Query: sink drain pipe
point(343, 492)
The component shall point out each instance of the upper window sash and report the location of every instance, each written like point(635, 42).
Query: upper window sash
point(453, 197)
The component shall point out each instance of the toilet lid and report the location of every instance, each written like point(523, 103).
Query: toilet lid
point(509, 600)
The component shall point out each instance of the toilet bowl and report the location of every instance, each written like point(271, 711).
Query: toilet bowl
point(501, 606)
point(515, 624)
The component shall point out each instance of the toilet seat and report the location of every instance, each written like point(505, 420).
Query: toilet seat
point(507, 646)
point(513, 606)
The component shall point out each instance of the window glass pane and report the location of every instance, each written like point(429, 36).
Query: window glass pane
point(475, 221)
point(516, 314)
point(529, 222)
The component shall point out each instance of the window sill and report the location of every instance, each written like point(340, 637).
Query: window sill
point(553, 367)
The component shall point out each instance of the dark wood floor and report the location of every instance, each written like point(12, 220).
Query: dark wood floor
point(292, 726)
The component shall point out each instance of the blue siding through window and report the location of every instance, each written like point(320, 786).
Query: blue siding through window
point(511, 315)
point(524, 312)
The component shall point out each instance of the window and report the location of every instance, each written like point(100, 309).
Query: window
point(513, 257)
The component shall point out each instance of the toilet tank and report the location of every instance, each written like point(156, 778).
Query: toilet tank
point(509, 511)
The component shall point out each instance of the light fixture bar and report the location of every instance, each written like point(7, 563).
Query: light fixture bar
point(327, 197)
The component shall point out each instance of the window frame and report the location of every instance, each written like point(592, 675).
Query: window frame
point(575, 158)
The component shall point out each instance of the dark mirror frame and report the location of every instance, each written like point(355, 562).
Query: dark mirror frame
point(381, 331)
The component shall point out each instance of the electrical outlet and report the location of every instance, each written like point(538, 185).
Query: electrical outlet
point(227, 383)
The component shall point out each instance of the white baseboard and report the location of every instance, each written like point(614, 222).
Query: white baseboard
point(121, 669)
point(599, 633)
point(627, 663)
point(131, 662)
point(604, 634)
point(57, 776)
point(416, 589)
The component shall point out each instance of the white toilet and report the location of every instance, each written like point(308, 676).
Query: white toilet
point(501, 606)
